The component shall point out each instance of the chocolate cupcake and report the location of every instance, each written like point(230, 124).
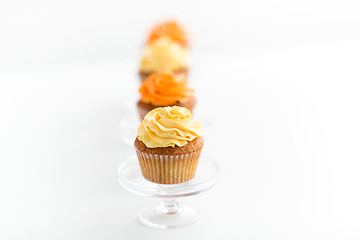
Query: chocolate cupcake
point(164, 55)
point(164, 89)
point(168, 145)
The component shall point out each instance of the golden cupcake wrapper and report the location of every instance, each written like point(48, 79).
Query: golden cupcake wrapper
point(168, 169)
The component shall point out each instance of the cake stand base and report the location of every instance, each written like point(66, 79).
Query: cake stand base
point(169, 214)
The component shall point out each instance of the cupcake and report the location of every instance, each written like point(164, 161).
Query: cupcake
point(164, 89)
point(164, 55)
point(168, 145)
point(169, 29)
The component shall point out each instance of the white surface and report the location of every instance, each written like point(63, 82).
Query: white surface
point(281, 90)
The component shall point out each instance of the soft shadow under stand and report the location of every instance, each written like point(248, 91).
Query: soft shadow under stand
point(169, 213)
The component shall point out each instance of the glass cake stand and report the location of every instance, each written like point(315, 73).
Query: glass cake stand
point(169, 213)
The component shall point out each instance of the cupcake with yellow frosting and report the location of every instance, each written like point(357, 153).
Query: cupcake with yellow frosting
point(163, 54)
point(168, 145)
point(164, 89)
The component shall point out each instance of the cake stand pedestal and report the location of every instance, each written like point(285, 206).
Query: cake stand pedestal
point(169, 213)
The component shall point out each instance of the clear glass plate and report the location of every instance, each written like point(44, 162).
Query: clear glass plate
point(169, 214)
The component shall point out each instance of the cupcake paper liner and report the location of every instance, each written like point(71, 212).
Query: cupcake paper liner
point(168, 169)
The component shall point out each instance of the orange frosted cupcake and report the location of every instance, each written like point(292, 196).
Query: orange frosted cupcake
point(168, 145)
point(164, 55)
point(169, 29)
point(164, 89)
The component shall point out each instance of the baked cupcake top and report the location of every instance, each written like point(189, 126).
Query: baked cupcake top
point(162, 89)
point(169, 29)
point(164, 54)
point(168, 126)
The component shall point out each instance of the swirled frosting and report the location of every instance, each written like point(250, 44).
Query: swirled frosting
point(169, 29)
point(168, 126)
point(161, 89)
point(163, 54)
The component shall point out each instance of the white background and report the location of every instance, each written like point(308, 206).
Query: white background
point(278, 80)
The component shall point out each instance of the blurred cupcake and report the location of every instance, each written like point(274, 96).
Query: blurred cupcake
point(164, 89)
point(169, 29)
point(164, 55)
point(168, 145)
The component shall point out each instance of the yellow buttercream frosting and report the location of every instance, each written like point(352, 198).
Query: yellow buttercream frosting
point(168, 126)
point(164, 54)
